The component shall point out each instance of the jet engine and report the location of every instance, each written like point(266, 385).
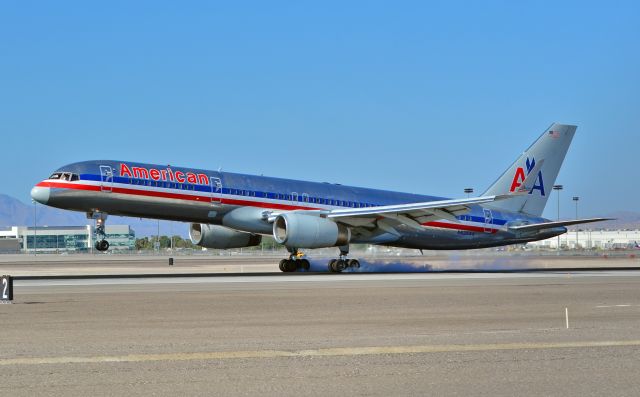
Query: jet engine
point(307, 231)
point(220, 237)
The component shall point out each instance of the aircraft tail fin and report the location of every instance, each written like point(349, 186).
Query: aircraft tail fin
point(551, 148)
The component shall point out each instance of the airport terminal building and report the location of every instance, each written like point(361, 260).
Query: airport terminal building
point(591, 239)
point(53, 239)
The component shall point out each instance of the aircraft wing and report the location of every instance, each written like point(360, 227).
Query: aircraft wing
point(412, 214)
point(415, 214)
point(549, 225)
point(442, 209)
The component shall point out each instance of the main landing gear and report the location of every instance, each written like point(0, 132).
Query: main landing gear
point(342, 263)
point(338, 265)
point(101, 243)
point(295, 262)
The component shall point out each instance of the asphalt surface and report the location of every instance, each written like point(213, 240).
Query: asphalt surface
point(351, 334)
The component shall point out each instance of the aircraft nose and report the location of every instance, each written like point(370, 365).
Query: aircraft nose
point(40, 194)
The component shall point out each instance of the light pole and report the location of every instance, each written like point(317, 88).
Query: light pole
point(158, 237)
point(558, 188)
point(468, 191)
point(575, 200)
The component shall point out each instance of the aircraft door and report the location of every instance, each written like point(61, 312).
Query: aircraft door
point(106, 178)
point(488, 221)
point(216, 190)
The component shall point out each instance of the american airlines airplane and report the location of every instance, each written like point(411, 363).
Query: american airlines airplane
point(229, 210)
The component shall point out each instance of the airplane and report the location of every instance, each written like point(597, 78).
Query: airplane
point(230, 210)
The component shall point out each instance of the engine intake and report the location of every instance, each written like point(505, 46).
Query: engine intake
point(220, 237)
point(308, 231)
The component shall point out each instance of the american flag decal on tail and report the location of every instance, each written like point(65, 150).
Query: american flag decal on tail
point(554, 134)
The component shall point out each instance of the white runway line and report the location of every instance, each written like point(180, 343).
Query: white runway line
point(316, 278)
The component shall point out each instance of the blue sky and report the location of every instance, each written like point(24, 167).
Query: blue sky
point(426, 97)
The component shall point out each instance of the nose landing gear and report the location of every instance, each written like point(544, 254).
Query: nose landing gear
point(101, 243)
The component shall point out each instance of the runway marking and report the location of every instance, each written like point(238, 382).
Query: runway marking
point(326, 352)
point(610, 306)
point(315, 278)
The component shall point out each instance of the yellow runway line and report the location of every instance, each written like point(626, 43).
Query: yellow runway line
point(326, 352)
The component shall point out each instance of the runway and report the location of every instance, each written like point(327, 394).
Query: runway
point(355, 334)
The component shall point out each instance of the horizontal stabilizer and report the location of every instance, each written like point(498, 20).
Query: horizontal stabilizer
point(550, 225)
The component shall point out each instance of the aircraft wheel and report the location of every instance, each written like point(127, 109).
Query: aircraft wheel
point(305, 264)
point(102, 245)
point(290, 266)
point(354, 263)
point(282, 265)
point(337, 265)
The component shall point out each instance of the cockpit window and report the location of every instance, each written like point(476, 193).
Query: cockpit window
point(65, 176)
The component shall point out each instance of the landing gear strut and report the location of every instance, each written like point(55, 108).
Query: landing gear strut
point(295, 262)
point(101, 243)
point(342, 263)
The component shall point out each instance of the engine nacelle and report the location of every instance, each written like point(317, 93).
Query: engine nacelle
point(220, 237)
point(307, 231)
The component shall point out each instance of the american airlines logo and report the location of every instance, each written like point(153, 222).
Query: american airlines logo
point(519, 176)
point(166, 174)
